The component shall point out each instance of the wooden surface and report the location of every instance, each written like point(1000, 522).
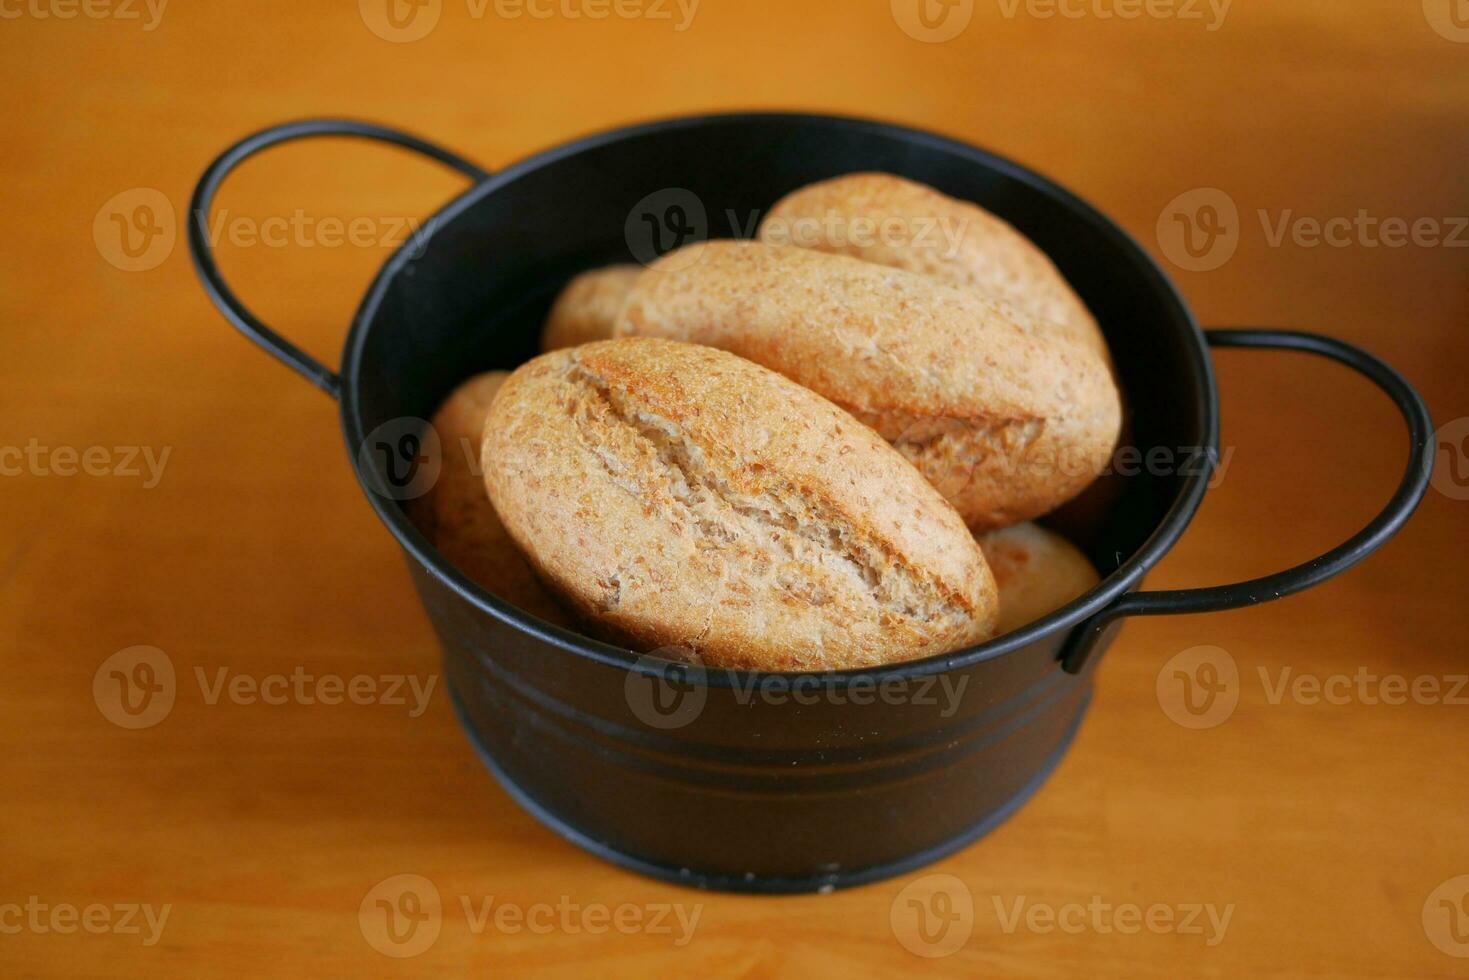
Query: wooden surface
point(263, 827)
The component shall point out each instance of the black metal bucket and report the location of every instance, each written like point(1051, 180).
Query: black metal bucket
point(732, 779)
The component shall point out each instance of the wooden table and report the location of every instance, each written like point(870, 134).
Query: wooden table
point(1324, 831)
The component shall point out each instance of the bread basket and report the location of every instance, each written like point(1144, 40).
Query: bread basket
point(733, 779)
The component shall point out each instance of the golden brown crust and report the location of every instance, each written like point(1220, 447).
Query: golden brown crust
point(679, 495)
point(588, 307)
point(1037, 572)
point(456, 514)
point(903, 224)
point(1008, 416)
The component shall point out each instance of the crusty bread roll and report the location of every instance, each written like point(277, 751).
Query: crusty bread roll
point(456, 514)
point(1006, 415)
point(906, 225)
point(588, 307)
point(1037, 571)
point(681, 496)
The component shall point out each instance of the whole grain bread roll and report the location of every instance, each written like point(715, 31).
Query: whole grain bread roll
point(1037, 572)
point(1006, 415)
point(456, 515)
point(588, 307)
point(680, 496)
point(900, 223)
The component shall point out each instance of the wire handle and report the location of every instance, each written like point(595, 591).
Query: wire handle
point(203, 200)
point(1083, 640)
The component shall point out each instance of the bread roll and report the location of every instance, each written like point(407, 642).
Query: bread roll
point(588, 307)
point(1007, 416)
point(1037, 571)
point(681, 496)
point(906, 225)
point(456, 515)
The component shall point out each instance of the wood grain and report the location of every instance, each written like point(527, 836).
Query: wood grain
point(263, 827)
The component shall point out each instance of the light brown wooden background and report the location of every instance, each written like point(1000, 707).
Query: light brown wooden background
point(1327, 827)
